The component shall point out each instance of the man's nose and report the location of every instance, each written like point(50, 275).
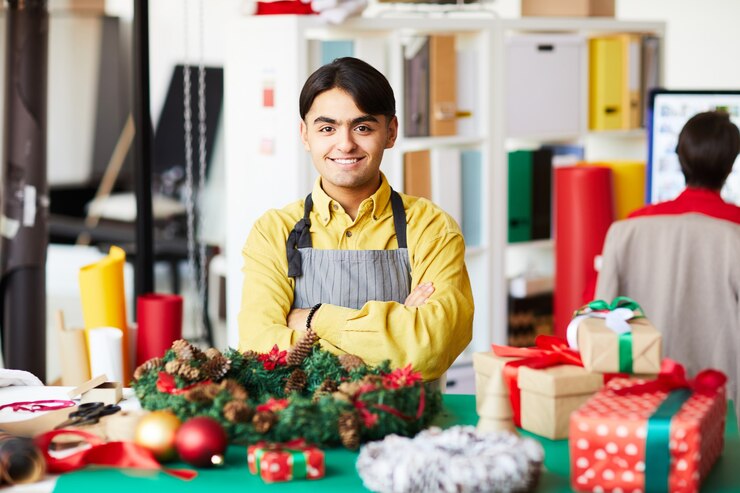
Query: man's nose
point(346, 141)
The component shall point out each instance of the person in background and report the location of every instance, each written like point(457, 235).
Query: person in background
point(371, 271)
point(708, 146)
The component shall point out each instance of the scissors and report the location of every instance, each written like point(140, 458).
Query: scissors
point(89, 413)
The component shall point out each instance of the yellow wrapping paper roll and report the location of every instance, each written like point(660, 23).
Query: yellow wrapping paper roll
point(629, 185)
point(104, 300)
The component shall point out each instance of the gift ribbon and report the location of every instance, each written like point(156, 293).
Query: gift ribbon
point(671, 379)
point(296, 448)
point(548, 351)
point(115, 454)
point(42, 405)
point(616, 315)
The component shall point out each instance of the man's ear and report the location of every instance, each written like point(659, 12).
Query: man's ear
point(304, 135)
point(392, 132)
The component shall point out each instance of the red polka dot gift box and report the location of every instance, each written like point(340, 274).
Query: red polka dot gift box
point(615, 338)
point(639, 435)
point(285, 461)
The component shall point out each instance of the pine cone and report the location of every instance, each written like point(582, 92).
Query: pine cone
point(263, 421)
point(349, 430)
point(235, 389)
point(202, 393)
point(238, 412)
point(327, 387)
point(249, 354)
point(147, 366)
point(212, 352)
point(296, 381)
point(173, 367)
point(216, 368)
point(350, 361)
point(186, 351)
point(302, 349)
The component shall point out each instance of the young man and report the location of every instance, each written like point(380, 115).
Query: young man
point(372, 272)
point(707, 148)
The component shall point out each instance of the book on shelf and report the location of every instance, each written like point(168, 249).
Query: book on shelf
point(530, 195)
point(435, 175)
point(471, 164)
point(468, 103)
point(650, 74)
point(632, 46)
point(416, 87)
point(541, 194)
point(442, 85)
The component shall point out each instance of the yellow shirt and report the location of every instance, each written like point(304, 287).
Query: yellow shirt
point(429, 337)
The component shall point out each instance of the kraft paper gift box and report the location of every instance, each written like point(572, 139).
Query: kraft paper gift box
point(616, 443)
point(285, 461)
point(616, 338)
point(491, 394)
point(550, 395)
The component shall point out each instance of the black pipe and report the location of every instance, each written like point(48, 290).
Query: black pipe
point(144, 265)
point(25, 190)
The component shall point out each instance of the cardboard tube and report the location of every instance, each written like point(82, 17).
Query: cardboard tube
point(73, 354)
point(629, 186)
point(106, 354)
point(104, 300)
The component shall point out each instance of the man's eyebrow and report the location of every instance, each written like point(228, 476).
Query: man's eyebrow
point(359, 119)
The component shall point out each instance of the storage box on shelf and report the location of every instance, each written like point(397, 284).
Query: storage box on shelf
point(502, 66)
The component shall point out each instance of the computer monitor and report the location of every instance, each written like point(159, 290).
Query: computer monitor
point(667, 112)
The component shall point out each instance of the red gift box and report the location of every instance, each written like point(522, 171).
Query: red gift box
point(285, 461)
point(637, 435)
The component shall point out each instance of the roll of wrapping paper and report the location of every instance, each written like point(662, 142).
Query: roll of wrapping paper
point(584, 210)
point(160, 323)
point(628, 179)
point(74, 358)
point(21, 461)
point(106, 355)
point(104, 300)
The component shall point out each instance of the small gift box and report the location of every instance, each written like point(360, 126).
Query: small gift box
point(285, 461)
point(535, 388)
point(615, 338)
point(656, 435)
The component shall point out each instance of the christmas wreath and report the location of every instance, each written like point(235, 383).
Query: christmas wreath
point(305, 392)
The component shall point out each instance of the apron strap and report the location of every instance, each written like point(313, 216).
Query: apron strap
point(299, 237)
point(399, 218)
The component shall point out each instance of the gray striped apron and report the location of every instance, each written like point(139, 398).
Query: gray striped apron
point(348, 278)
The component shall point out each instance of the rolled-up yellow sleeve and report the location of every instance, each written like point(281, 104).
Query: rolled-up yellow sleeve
point(429, 337)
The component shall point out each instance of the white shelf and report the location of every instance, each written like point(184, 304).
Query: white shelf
point(256, 182)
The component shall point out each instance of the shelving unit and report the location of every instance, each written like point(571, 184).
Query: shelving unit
point(267, 166)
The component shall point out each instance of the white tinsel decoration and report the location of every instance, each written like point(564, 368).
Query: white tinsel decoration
point(457, 460)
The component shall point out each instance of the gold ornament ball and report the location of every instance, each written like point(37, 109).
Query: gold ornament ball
point(156, 431)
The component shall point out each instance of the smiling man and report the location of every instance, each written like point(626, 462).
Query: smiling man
point(371, 271)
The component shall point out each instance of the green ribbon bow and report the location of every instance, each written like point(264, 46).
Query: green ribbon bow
point(300, 467)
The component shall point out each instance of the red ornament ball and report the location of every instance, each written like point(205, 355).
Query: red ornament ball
point(201, 442)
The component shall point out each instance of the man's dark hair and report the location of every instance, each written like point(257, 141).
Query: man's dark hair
point(368, 88)
point(707, 148)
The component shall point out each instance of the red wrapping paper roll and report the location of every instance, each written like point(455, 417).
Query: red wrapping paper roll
point(160, 323)
point(584, 210)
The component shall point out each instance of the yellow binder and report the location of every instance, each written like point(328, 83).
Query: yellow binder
point(608, 98)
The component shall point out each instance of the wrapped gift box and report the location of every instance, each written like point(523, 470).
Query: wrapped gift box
point(609, 437)
point(285, 461)
point(550, 395)
point(599, 347)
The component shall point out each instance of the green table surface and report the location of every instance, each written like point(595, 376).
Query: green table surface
point(342, 476)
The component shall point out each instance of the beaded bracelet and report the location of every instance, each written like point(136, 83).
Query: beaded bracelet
point(311, 313)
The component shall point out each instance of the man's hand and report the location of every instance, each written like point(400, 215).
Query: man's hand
point(419, 295)
point(297, 318)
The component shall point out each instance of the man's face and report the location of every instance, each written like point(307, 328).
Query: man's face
point(346, 144)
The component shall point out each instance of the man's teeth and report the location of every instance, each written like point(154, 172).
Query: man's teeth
point(346, 161)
